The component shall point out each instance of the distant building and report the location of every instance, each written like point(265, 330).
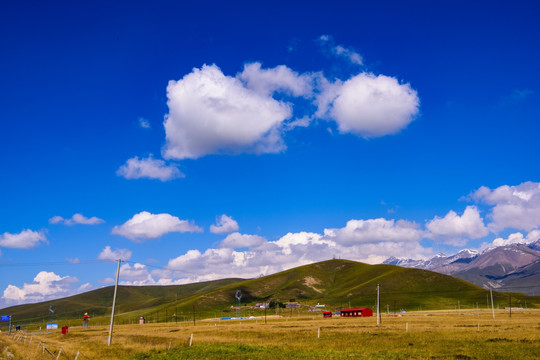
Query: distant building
point(292, 305)
point(261, 306)
point(361, 312)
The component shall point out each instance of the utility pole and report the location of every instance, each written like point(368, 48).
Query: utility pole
point(492, 308)
point(193, 314)
point(378, 317)
point(114, 303)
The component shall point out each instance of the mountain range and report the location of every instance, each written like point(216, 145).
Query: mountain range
point(511, 268)
point(335, 283)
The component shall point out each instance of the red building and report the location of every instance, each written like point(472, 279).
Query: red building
point(361, 312)
point(327, 314)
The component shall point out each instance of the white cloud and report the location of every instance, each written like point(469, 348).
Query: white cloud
point(367, 105)
point(113, 255)
point(84, 287)
point(145, 225)
point(135, 275)
point(288, 241)
point(281, 78)
point(518, 238)
point(144, 123)
point(516, 207)
point(149, 168)
point(46, 285)
point(224, 224)
point(341, 51)
point(76, 219)
point(371, 241)
point(454, 229)
point(26, 239)
point(237, 240)
point(374, 231)
point(212, 113)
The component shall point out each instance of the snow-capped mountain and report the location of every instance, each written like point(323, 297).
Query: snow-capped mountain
point(439, 263)
point(515, 267)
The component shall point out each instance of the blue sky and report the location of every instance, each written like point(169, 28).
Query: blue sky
point(201, 141)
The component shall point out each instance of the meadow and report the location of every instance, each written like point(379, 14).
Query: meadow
point(465, 334)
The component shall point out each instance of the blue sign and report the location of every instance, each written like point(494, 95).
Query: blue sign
point(4, 318)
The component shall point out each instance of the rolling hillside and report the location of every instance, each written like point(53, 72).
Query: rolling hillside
point(335, 283)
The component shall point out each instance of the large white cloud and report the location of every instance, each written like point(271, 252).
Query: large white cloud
point(368, 105)
point(455, 229)
point(212, 113)
point(371, 241)
point(46, 285)
point(224, 224)
point(516, 207)
point(26, 239)
point(374, 231)
point(111, 255)
point(145, 225)
point(149, 168)
point(76, 219)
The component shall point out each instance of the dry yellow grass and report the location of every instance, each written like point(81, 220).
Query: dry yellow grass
point(433, 335)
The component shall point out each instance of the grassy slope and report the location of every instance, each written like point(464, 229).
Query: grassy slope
point(334, 283)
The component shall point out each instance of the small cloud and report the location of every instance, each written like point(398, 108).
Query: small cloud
point(341, 51)
point(113, 255)
point(224, 224)
point(144, 123)
point(76, 219)
point(84, 287)
point(26, 239)
point(145, 225)
point(301, 122)
point(237, 240)
point(74, 261)
point(148, 168)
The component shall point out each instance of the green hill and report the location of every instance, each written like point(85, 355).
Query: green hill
point(335, 283)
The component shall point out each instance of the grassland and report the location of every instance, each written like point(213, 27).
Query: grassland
point(465, 334)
